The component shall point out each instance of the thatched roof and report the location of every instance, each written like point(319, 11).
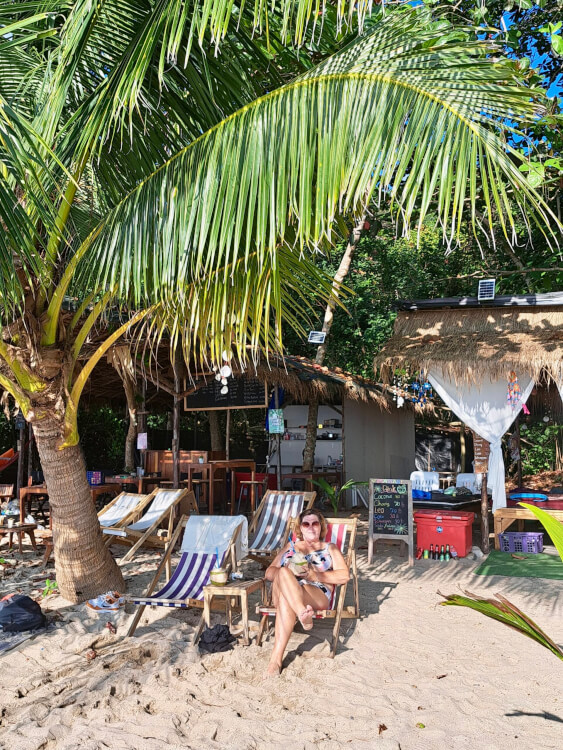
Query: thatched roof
point(464, 340)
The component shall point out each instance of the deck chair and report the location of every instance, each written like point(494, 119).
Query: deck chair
point(142, 526)
point(270, 525)
point(122, 509)
point(204, 537)
point(342, 533)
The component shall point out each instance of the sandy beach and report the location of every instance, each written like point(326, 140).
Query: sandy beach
point(410, 674)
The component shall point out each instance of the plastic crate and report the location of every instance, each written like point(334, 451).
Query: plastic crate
point(95, 477)
point(530, 542)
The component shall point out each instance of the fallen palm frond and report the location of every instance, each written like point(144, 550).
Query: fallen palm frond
point(504, 611)
point(553, 527)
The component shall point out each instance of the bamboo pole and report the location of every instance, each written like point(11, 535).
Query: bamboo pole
point(484, 516)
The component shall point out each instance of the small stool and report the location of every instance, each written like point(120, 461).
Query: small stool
point(199, 485)
point(19, 529)
point(233, 590)
point(255, 489)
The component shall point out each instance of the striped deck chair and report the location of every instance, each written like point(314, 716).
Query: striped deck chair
point(204, 537)
point(121, 509)
point(269, 528)
point(342, 533)
point(144, 529)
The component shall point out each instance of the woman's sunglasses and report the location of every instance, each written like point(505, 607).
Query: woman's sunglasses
point(306, 524)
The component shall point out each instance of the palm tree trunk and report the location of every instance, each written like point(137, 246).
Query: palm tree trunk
point(343, 269)
point(84, 565)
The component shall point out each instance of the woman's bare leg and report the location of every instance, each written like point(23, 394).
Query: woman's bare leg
point(291, 601)
point(285, 622)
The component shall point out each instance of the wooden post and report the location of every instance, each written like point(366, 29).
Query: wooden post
point(519, 449)
point(228, 436)
point(21, 457)
point(484, 516)
point(278, 441)
point(463, 452)
point(176, 423)
point(29, 450)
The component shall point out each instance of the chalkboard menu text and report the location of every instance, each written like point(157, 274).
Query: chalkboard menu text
point(390, 512)
point(243, 393)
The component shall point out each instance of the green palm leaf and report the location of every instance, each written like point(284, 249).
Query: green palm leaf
point(553, 527)
point(403, 114)
point(502, 610)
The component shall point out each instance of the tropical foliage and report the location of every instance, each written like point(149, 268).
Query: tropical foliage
point(177, 172)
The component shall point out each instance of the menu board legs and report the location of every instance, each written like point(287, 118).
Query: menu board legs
point(390, 513)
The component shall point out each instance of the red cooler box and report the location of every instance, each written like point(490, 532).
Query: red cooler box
point(439, 527)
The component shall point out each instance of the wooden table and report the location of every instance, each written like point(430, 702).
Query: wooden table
point(309, 476)
point(232, 591)
point(210, 468)
point(41, 489)
point(20, 529)
point(504, 517)
point(141, 484)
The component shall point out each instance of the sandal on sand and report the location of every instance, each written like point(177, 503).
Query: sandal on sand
point(306, 618)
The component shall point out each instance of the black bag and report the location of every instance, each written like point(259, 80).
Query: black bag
point(215, 639)
point(19, 613)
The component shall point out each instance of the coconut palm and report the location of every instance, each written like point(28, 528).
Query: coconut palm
point(165, 160)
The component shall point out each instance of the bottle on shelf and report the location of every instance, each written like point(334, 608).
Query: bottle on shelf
point(432, 552)
point(447, 555)
point(442, 553)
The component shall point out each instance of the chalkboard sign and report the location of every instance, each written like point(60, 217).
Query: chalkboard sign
point(390, 513)
point(244, 393)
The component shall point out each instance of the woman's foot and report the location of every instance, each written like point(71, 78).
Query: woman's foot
point(306, 617)
point(273, 670)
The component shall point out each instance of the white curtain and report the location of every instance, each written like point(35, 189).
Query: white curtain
point(484, 408)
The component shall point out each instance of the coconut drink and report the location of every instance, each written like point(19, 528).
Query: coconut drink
point(298, 564)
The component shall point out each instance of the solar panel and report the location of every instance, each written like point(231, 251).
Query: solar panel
point(486, 290)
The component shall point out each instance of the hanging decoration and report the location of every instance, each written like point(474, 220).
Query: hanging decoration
point(514, 392)
point(416, 389)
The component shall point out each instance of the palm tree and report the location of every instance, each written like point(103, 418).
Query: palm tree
point(190, 191)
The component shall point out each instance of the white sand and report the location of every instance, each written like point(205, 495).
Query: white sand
point(471, 682)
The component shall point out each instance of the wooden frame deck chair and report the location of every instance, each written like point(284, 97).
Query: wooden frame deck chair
point(270, 525)
point(342, 533)
point(206, 539)
point(122, 509)
point(143, 526)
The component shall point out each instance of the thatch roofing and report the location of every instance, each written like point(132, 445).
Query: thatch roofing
point(466, 340)
point(299, 376)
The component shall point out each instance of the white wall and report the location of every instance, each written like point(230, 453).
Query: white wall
point(377, 443)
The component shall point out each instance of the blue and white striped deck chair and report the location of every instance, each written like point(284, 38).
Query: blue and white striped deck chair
point(144, 529)
point(121, 509)
point(269, 528)
point(204, 538)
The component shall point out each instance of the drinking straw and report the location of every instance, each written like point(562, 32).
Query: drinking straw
point(217, 557)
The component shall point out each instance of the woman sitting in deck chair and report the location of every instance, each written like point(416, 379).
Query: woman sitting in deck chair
point(303, 575)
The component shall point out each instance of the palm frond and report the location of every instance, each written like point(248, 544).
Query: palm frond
point(502, 610)
point(400, 113)
point(553, 527)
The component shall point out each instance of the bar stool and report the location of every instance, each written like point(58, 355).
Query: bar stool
point(250, 485)
point(200, 487)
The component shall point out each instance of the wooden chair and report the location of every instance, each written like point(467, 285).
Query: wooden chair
point(185, 587)
point(270, 525)
point(342, 533)
point(6, 492)
point(141, 527)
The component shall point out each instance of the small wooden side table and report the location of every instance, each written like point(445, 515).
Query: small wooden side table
point(232, 591)
point(20, 529)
